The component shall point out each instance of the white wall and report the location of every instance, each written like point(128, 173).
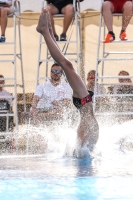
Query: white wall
point(91, 4)
point(35, 5)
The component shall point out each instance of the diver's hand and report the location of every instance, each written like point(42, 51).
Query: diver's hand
point(55, 103)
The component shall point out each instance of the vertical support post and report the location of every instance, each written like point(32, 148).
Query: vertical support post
point(97, 61)
point(77, 45)
point(47, 53)
point(21, 63)
point(81, 41)
point(7, 122)
point(104, 33)
point(38, 62)
point(15, 74)
point(39, 51)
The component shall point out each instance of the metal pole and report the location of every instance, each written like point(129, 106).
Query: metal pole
point(21, 62)
point(38, 63)
point(97, 63)
point(15, 73)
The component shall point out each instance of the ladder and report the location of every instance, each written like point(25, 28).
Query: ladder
point(104, 56)
point(13, 59)
point(75, 56)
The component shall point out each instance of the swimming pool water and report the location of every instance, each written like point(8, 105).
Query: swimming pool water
point(107, 174)
point(91, 188)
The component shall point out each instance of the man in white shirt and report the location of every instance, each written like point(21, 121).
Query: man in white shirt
point(51, 96)
point(4, 95)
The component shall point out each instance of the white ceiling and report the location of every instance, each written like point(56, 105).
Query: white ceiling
point(35, 5)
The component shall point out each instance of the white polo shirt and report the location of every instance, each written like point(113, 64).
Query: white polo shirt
point(5, 94)
point(49, 93)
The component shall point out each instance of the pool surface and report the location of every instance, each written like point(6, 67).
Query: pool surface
point(106, 174)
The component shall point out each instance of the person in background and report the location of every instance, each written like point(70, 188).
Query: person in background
point(6, 101)
point(91, 84)
point(116, 6)
point(51, 97)
point(61, 7)
point(4, 92)
point(123, 89)
point(5, 10)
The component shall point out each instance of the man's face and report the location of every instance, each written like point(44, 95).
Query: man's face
point(56, 73)
point(125, 80)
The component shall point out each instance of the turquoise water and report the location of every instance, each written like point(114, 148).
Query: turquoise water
point(106, 174)
point(91, 188)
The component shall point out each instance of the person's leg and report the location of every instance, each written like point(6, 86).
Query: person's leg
point(88, 130)
point(127, 14)
point(107, 10)
point(44, 27)
point(68, 11)
point(3, 15)
point(0, 17)
point(52, 11)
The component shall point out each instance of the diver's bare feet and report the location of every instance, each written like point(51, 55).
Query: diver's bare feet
point(43, 22)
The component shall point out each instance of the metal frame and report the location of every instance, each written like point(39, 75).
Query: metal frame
point(7, 117)
point(16, 20)
point(77, 56)
point(105, 58)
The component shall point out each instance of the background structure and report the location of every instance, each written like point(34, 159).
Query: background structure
point(90, 24)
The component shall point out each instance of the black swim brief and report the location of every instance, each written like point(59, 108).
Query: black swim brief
point(59, 4)
point(80, 102)
point(91, 93)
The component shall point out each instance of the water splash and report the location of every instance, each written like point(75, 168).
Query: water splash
point(50, 152)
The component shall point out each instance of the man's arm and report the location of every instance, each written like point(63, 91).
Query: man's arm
point(34, 105)
point(64, 102)
point(53, 114)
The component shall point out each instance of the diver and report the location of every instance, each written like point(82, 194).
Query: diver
point(88, 129)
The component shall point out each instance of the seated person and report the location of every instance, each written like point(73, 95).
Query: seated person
point(117, 6)
point(51, 97)
point(4, 92)
point(5, 10)
point(61, 7)
point(123, 89)
point(91, 84)
point(5, 96)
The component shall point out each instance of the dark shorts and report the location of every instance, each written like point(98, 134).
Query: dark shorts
point(61, 5)
point(118, 5)
point(80, 102)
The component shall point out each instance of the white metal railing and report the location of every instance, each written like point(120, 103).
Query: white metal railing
point(103, 59)
point(15, 14)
